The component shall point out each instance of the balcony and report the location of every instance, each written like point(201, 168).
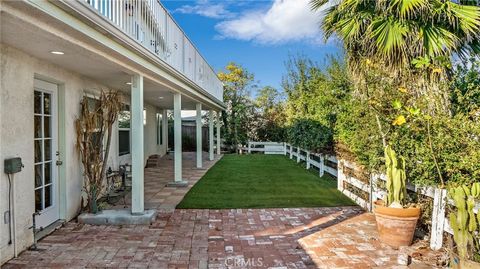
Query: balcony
point(150, 25)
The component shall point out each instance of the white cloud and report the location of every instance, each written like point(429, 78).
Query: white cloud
point(207, 9)
point(284, 21)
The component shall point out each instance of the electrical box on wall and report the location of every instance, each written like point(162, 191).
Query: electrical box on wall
point(13, 165)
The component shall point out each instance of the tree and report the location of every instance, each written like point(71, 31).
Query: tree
point(315, 93)
point(268, 98)
point(270, 118)
point(397, 32)
point(300, 84)
point(413, 39)
point(465, 88)
point(238, 116)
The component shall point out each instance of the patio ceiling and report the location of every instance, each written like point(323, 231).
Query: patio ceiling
point(37, 41)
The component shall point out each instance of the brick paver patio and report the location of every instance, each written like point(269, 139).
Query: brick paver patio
point(157, 195)
point(341, 237)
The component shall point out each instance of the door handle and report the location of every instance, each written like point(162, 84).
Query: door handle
point(58, 162)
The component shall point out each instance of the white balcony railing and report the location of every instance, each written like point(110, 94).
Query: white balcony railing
point(150, 24)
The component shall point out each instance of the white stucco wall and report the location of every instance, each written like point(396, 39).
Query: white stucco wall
point(18, 71)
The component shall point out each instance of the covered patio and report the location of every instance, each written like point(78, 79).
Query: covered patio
point(161, 195)
point(80, 62)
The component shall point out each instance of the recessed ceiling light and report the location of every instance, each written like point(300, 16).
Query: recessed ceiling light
point(57, 52)
point(128, 83)
point(160, 97)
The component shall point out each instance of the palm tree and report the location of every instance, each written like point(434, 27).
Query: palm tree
point(402, 33)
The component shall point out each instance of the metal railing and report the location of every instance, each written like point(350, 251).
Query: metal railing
point(150, 24)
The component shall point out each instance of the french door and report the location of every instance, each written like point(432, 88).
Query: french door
point(45, 150)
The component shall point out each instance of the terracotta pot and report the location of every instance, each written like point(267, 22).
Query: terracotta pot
point(396, 226)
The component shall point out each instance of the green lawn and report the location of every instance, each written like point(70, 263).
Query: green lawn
point(262, 181)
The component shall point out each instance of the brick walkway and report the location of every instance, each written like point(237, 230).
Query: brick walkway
point(342, 237)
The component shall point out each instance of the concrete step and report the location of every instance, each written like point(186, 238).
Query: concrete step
point(152, 161)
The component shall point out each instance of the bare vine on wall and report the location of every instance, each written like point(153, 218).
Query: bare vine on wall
point(94, 133)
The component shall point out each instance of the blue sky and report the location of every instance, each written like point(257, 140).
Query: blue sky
point(260, 35)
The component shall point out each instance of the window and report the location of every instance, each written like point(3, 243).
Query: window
point(159, 129)
point(124, 131)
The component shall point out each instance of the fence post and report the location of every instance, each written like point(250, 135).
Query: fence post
point(340, 175)
point(298, 155)
point(322, 166)
point(438, 218)
point(284, 148)
point(291, 151)
point(249, 148)
point(307, 159)
point(372, 195)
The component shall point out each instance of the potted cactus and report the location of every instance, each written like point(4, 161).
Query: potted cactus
point(396, 221)
point(464, 224)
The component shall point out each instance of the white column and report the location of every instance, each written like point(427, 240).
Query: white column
point(210, 134)
point(165, 129)
point(199, 135)
point(177, 129)
point(137, 144)
point(219, 120)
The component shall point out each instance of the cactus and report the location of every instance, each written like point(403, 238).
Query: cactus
point(462, 219)
point(396, 178)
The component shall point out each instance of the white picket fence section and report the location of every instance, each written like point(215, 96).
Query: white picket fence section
point(363, 192)
point(266, 147)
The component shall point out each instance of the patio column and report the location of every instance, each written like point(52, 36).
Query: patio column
point(199, 135)
point(210, 134)
point(137, 144)
point(165, 129)
point(219, 116)
point(177, 130)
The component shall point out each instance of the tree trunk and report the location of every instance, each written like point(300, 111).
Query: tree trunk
point(107, 149)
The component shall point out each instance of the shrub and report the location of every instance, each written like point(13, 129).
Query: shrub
point(310, 135)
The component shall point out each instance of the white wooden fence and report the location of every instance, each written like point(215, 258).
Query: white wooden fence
point(361, 187)
point(266, 147)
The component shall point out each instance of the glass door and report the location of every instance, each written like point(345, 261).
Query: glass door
point(45, 149)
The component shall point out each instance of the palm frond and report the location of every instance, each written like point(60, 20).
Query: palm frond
point(467, 17)
point(408, 8)
point(389, 35)
point(317, 4)
point(438, 41)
